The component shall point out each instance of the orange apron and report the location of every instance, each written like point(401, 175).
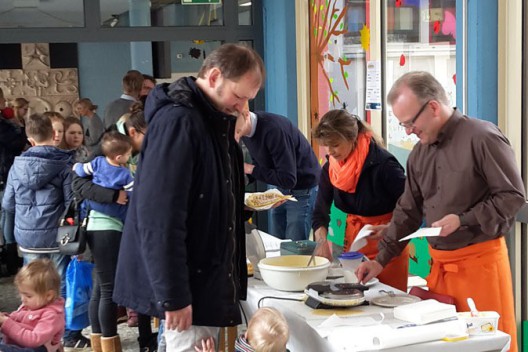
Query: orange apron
point(396, 271)
point(482, 272)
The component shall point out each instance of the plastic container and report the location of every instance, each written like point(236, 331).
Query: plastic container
point(485, 324)
point(305, 247)
point(351, 260)
point(290, 273)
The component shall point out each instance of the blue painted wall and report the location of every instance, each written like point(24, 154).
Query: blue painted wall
point(279, 58)
point(482, 49)
point(101, 70)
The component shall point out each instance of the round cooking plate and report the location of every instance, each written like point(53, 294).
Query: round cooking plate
point(337, 294)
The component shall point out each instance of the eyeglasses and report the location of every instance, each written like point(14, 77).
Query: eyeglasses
point(410, 124)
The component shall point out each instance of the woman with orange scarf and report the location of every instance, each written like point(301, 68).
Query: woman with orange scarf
point(363, 180)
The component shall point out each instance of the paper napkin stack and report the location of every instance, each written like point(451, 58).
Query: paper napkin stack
point(425, 312)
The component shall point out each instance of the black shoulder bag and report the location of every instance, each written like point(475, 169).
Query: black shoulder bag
point(71, 235)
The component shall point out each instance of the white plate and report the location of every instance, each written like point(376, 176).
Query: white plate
point(394, 301)
point(372, 282)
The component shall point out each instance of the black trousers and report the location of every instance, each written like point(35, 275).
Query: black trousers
point(102, 310)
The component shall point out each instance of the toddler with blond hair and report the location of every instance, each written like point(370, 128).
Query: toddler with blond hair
point(267, 332)
point(39, 320)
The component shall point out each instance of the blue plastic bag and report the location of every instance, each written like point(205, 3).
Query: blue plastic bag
point(78, 291)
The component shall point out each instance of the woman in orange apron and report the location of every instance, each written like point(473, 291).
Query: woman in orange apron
point(363, 180)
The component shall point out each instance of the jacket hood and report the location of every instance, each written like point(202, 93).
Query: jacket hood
point(182, 92)
point(39, 165)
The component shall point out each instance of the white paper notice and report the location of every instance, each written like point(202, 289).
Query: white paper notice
point(424, 232)
point(360, 240)
point(373, 89)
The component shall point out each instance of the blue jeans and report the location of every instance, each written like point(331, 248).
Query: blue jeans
point(293, 220)
point(162, 346)
point(7, 223)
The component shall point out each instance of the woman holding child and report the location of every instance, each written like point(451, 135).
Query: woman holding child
point(105, 227)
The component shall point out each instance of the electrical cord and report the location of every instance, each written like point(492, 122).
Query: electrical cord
point(278, 298)
point(243, 313)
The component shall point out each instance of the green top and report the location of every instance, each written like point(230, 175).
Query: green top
point(101, 222)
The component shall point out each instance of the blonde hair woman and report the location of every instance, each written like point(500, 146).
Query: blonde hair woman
point(91, 122)
point(20, 108)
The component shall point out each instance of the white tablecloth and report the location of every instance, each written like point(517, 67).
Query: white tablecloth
point(307, 335)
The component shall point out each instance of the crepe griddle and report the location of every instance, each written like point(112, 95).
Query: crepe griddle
point(328, 295)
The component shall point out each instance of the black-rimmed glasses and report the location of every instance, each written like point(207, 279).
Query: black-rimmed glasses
point(410, 124)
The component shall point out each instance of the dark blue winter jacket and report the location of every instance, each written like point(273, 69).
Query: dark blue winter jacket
point(184, 242)
point(38, 189)
point(282, 156)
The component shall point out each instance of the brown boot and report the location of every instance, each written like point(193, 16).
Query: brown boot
point(95, 340)
point(111, 344)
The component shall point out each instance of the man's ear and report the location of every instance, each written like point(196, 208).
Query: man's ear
point(213, 77)
point(31, 141)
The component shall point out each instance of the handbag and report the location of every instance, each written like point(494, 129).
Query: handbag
point(71, 234)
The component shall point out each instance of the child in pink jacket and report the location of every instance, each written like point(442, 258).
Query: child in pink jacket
point(40, 318)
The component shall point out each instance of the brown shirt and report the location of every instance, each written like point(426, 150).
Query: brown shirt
point(470, 171)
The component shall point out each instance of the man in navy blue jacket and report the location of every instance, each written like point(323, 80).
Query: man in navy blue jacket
point(182, 254)
point(282, 157)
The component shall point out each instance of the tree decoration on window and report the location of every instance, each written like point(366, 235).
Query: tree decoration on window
point(327, 22)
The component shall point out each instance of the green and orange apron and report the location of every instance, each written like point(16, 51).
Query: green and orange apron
point(396, 271)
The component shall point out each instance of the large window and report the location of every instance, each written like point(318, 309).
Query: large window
point(41, 14)
point(355, 59)
point(125, 13)
point(419, 35)
point(121, 13)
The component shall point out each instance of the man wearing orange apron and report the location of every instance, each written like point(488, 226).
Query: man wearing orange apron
point(462, 177)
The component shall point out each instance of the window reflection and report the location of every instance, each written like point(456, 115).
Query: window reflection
point(125, 13)
point(420, 35)
point(41, 14)
point(244, 13)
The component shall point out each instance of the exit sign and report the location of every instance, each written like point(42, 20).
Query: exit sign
point(201, 2)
